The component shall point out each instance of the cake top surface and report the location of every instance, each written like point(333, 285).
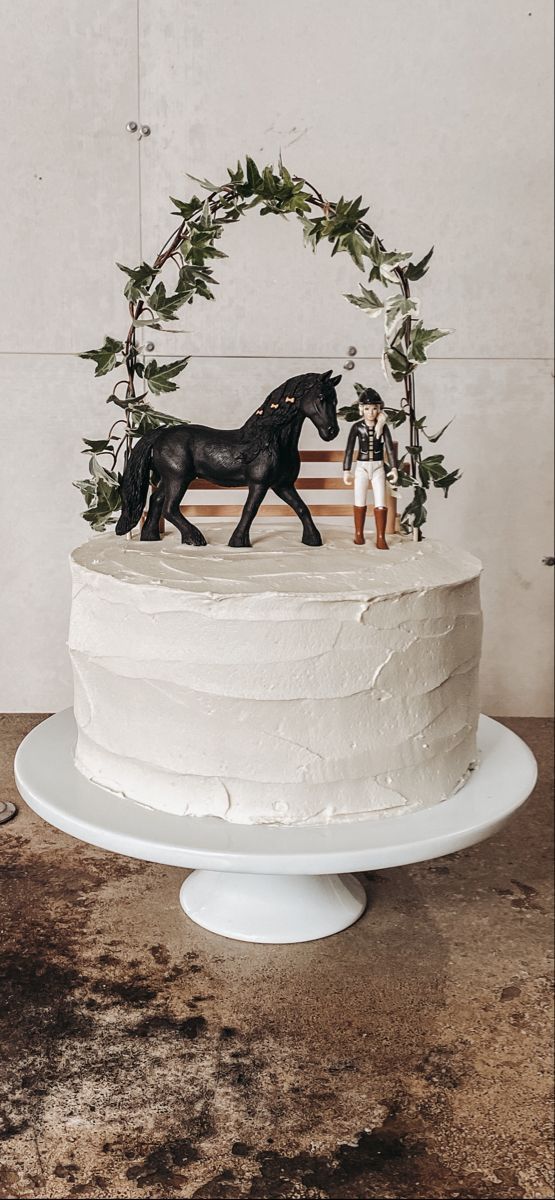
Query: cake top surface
point(278, 562)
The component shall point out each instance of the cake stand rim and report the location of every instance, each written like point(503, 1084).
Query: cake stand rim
point(51, 785)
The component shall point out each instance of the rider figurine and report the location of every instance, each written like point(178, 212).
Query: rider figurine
point(372, 437)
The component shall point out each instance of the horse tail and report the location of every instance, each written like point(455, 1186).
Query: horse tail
point(134, 483)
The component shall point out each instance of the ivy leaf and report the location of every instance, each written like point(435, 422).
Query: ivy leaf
point(354, 245)
point(191, 276)
point(309, 232)
point(349, 412)
point(431, 469)
point(384, 262)
point(394, 258)
point(270, 181)
point(87, 489)
point(213, 252)
point(397, 309)
point(102, 495)
point(187, 208)
point(199, 244)
point(140, 279)
point(166, 418)
point(100, 515)
point(99, 472)
point(421, 338)
point(401, 366)
point(205, 219)
point(447, 481)
point(417, 270)
point(150, 323)
point(424, 474)
point(298, 203)
point(98, 446)
point(382, 275)
point(232, 209)
point(368, 301)
point(119, 400)
point(108, 494)
point(254, 178)
point(434, 437)
point(396, 416)
point(204, 183)
point(106, 358)
point(281, 167)
point(148, 418)
point(161, 378)
point(126, 401)
point(343, 218)
point(236, 176)
point(141, 407)
point(166, 306)
point(405, 477)
point(415, 514)
point(96, 518)
point(203, 290)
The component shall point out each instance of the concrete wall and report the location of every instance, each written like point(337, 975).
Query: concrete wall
point(438, 112)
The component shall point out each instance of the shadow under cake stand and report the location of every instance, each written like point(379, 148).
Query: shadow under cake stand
point(271, 883)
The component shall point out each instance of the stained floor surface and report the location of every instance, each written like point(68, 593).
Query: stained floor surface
point(144, 1057)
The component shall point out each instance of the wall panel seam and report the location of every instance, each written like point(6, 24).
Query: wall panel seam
point(139, 119)
point(287, 357)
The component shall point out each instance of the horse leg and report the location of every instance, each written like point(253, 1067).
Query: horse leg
point(287, 492)
point(175, 487)
point(240, 535)
point(150, 531)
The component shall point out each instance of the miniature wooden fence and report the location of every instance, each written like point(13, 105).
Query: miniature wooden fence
point(304, 483)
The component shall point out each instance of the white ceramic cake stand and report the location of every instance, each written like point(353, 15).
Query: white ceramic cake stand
point(270, 883)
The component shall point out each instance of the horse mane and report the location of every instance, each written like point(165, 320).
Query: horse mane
point(276, 412)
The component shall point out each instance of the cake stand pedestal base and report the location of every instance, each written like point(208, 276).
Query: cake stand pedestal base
point(271, 883)
point(272, 908)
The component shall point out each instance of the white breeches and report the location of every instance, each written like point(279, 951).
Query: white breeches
point(373, 474)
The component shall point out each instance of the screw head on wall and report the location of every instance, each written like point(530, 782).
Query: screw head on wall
point(131, 127)
point(146, 130)
point(149, 347)
point(351, 351)
point(348, 366)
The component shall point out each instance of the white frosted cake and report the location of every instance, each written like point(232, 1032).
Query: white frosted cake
point(283, 683)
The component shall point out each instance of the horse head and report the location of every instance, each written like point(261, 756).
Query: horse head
point(319, 404)
point(308, 395)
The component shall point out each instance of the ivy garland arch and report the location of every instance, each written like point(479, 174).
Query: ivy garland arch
point(189, 249)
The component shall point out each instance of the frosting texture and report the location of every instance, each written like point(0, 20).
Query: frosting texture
point(284, 684)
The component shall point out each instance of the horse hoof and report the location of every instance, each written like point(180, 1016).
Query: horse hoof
point(239, 543)
point(150, 535)
point(196, 538)
point(312, 539)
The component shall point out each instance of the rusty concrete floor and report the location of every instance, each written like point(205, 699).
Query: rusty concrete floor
point(407, 1056)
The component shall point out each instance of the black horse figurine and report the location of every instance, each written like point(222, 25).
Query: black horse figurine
point(262, 454)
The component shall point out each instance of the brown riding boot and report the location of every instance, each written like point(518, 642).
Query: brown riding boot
point(360, 517)
point(380, 517)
